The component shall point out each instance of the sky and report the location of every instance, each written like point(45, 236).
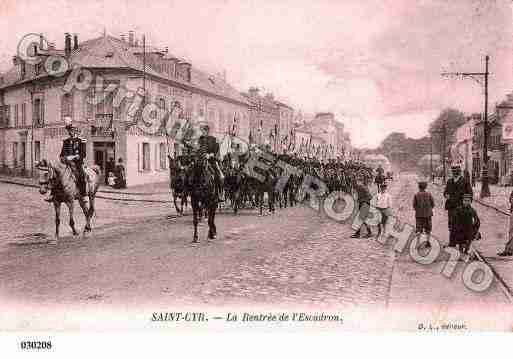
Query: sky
point(375, 64)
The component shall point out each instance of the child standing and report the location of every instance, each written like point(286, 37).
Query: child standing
point(383, 203)
point(423, 204)
point(466, 224)
point(111, 180)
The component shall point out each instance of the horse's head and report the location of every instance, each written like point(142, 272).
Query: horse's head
point(47, 176)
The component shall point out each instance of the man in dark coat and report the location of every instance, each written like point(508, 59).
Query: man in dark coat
point(455, 188)
point(466, 224)
point(364, 199)
point(209, 147)
point(119, 171)
point(73, 153)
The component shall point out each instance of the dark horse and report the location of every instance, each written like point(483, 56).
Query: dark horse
point(233, 187)
point(61, 180)
point(177, 184)
point(204, 196)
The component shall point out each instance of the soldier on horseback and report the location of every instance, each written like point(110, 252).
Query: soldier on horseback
point(73, 153)
point(209, 147)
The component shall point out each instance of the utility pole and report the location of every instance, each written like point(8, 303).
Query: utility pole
point(431, 160)
point(144, 64)
point(444, 151)
point(485, 188)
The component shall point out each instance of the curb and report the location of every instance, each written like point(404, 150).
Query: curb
point(99, 191)
point(100, 196)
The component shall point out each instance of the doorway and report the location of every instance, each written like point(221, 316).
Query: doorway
point(103, 151)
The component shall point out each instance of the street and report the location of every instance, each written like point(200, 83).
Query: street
point(138, 257)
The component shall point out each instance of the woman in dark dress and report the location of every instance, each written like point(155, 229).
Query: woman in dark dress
point(119, 172)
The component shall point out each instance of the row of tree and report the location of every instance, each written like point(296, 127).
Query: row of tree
point(405, 152)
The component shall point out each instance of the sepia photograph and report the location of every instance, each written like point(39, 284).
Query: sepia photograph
point(306, 166)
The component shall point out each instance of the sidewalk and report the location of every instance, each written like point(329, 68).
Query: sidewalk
point(152, 192)
point(499, 196)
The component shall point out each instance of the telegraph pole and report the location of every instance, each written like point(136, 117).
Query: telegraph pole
point(485, 188)
point(444, 151)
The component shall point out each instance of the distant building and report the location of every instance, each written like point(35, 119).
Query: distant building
point(461, 150)
point(325, 136)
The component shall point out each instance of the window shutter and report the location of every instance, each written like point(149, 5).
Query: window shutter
point(8, 115)
point(139, 157)
point(157, 155)
point(89, 107)
point(42, 111)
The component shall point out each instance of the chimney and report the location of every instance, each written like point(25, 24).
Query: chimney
point(51, 46)
point(67, 44)
point(122, 37)
point(75, 42)
point(166, 49)
point(131, 38)
point(510, 97)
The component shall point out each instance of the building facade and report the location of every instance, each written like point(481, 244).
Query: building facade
point(34, 102)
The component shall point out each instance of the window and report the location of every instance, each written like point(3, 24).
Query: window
point(2, 117)
point(23, 69)
point(146, 156)
point(37, 151)
point(38, 112)
point(24, 114)
point(15, 154)
point(39, 68)
point(22, 154)
point(16, 119)
point(162, 103)
point(8, 115)
point(163, 156)
point(67, 105)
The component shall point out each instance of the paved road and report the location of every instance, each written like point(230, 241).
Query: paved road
point(136, 257)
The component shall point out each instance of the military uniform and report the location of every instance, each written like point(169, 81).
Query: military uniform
point(76, 146)
point(208, 145)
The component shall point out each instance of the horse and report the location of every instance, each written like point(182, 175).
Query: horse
point(204, 194)
point(233, 187)
point(177, 185)
point(62, 181)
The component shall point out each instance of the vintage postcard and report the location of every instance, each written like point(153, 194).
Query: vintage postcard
point(255, 166)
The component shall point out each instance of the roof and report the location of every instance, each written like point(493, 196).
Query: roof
point(110, 52)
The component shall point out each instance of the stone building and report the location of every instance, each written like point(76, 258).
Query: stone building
point(33, 102)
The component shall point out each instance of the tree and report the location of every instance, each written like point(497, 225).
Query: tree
point(448, 121)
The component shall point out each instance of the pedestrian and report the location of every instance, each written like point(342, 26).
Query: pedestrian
point(466, 224)
point(508, 250)
point(383, 203)
point(423, 205)
point(119, 173)
point(111, 180)
point(455, 188)
point(109, 167)
point(364, 198)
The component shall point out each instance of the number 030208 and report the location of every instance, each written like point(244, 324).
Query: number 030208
point(35, 345)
